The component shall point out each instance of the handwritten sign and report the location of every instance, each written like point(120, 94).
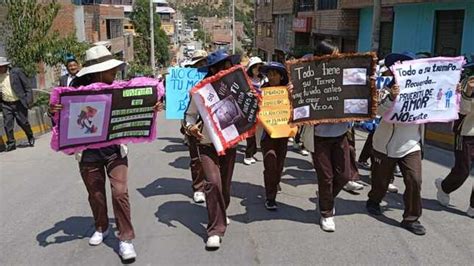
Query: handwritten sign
point(179, 82)
point(228, 106)
point(275, 112)
point(383, 81)
point(100, 115)
point(427, 90)
point(332, 89)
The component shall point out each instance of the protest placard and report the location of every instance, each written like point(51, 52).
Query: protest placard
point(333, 88)
point(100, 115)
point(228, 106)
point(427, 90)
point(275, 112)
point(179, 82)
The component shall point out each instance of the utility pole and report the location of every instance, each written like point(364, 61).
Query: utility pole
point(233, 26)
point(152, 38)
point(376, 26)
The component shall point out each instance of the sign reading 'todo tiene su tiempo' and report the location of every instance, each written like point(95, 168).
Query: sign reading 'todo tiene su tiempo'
point(335, 88)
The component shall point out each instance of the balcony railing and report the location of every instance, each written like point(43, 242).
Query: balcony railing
point(305, 5)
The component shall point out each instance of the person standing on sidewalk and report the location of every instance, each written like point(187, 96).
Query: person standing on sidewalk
point(329, 147)
point(199, 59)
point(95, 164)
point(253, 71)
point(463, 148)
point(397, 144)
point(218, 170)
point(16, 98)
point(273, 149)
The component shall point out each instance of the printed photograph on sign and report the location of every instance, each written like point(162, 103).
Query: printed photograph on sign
point(356, 106)
point(227, 112)
point(301, 112)
point(89, 122)
point(354, 76)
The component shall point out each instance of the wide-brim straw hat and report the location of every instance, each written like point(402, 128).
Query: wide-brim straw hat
point(4, 61)
point(198, 56)
point(99, 59)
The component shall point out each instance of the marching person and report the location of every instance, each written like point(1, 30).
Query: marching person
point(16, 98)
point(463, 149)
point(253, 71)
point(218, 170)
point(95, 164)
point(330, 150)
point(198, 60)
point(72, 67)
point(397, 144)
point(273, 149)
point(352, 185)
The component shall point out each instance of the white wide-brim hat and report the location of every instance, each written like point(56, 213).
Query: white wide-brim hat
point(198, 56)
point(99, 59)
point(4, 61)
point(254, 61)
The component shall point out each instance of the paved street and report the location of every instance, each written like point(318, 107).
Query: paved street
point(45, 217)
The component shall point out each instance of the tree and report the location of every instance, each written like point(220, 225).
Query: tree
point(30, 41)
point(141, 21)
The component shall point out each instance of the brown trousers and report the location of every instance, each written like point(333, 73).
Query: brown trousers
point(464, 160)
point(197, 173)
point(331, 160)
point(251, 148)
point(274, 154)
point(366, 152)
point(93, 175)
point(354, 176)
point(382, 173)
point(218, 172)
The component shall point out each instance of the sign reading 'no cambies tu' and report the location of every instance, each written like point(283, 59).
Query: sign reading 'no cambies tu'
point(335, 88)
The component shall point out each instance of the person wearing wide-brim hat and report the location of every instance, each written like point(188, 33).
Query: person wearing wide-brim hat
point(16, 97)
point(100, 66)
point(463, 145)
point(218, 170)
point(253, 71)
point(199, 59)
point(273, 149)
point(397, 144)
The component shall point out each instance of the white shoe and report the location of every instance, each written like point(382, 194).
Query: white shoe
point(227, 220)
point(127, 251)
point(327, 224)
point(199, 197)
point(248, 161)
point(470, 212)
point(98, 237)
point(253, 160)
point(353, 186)
point(441, 196)
point(392, 188)
point(213, 242)
point(304, 152)
point(291, 139)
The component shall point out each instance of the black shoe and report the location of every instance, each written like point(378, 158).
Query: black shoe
point(373, 207)
point(414, 227)
point(31, 141)
point(271, 205)
point(10, 147)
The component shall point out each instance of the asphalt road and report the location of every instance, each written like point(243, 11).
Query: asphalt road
point(45, 217)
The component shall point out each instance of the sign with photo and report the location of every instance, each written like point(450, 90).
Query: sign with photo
point(275, 112)
point(179, 82)
point(100, 115)
point(427, 90)
point(228, 106)
point(333, 88)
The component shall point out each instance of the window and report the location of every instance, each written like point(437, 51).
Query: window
point(448, 32)
point(267, 2)
point(305, 5)
point(259, 29)
point(114, 28)
point(327, 4)
point(269, 30)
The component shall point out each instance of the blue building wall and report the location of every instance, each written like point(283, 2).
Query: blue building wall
point(414, 27)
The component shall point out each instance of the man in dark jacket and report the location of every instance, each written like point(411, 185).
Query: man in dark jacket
point(16, 98)
point(72, 69)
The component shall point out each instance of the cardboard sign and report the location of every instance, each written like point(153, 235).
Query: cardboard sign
point(333, 88)
point(427, 90)
point(101, 115)
point(179, 82)
point(228, 106)
point(275, 112)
